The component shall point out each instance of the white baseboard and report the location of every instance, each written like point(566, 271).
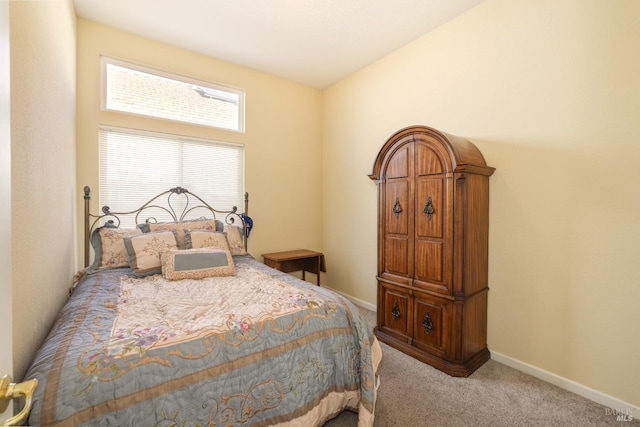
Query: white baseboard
point(356, 301)
point(567, 384)
point(557, 380)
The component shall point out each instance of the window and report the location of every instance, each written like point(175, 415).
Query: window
point(135, 89)
point(135, 163)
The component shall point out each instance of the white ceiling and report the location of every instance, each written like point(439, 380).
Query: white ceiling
point(314, 42)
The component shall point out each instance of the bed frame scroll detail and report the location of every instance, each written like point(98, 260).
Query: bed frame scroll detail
point(160, 203)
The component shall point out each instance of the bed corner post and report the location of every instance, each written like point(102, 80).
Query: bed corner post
point(246, 212)
point(87, 198)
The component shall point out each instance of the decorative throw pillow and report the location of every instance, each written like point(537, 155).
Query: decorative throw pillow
point(196, 239)
point(145, 251)
point(179, 264)
point(108, 246)
point(234, 237)
point(196, 224)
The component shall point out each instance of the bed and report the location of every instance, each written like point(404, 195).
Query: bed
point(191, 331)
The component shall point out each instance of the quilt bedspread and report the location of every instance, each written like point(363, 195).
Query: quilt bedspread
point(261, 348)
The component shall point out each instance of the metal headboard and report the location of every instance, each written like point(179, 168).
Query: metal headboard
point(188, 198)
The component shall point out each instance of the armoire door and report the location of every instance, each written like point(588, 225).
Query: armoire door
point(395, 306)
point(432, 324)
point(397, 241)
point(433, 220)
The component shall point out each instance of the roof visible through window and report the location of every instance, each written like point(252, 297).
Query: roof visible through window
point(130, 89)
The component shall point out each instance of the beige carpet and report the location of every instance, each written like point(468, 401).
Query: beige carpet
point(413, 394)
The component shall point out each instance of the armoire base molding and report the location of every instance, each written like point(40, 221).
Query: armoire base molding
point(453, 369)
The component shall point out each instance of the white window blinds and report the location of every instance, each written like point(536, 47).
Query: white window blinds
point(137, 165)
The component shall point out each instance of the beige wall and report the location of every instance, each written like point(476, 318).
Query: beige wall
point(282, 138)
point(43, 97)
point(549, 91)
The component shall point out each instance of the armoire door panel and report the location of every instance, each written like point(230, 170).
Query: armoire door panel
point(431, 323)
point(430, 202)
point(396, 255)
point(430, 327)
point(396, 311)
point(429, 261)
point(428, 162)
point(398, 164)
point(397, 207)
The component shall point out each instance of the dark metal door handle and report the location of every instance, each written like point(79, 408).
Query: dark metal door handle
point(427, 323)
point(428, 208)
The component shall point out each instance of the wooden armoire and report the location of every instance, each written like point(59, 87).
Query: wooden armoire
point(433, 220)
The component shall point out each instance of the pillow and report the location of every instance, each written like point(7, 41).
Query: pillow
point(196, 239)
point(108, 246)
point(196, 224)
point(178, 264)
point(145, 251)
point(234, 237)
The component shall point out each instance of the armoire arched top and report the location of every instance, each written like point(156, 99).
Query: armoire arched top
point(463, 155)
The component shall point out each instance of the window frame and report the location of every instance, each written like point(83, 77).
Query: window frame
point(106, 60)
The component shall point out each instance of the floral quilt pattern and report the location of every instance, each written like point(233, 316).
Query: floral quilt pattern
point(261, 348)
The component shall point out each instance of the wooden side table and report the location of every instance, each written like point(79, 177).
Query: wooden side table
point(300, 259)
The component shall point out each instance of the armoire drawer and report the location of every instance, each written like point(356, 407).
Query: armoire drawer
point(432, 324)
point(395, 317)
